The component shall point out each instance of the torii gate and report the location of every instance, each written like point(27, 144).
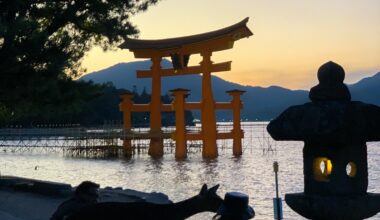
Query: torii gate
point(179, 50)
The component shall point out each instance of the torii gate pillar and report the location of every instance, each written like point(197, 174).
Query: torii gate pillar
point(237, 132)
point(179, 134)
point(156, 142)
point(208, 110)
point(125, 107)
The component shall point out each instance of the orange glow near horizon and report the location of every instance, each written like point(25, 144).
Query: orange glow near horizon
point(292, 38)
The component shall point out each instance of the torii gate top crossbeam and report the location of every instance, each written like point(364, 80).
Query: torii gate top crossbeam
point(218, 40)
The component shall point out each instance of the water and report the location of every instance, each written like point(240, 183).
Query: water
point(251, 174)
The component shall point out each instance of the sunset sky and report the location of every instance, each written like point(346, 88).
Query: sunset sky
point(292, 38)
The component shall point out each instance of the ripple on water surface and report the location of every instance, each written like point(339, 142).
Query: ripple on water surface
point(251, 174)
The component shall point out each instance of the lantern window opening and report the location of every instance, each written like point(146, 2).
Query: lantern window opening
point(351, 169)
point(322, 169)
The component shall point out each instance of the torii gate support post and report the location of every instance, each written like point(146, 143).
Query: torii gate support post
point(179, 135)
point(125, 107)
point(237, 132)
point(180, 49)
point(156, 147)
point(209, 132)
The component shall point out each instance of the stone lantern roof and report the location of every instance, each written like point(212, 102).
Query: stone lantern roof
point(331, 116)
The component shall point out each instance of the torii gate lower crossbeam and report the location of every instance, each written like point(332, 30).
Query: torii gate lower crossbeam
point(179, 50)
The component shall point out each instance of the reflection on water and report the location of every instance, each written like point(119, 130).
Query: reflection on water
point(252, 173)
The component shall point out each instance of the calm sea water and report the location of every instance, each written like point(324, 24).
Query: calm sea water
point(252, 173)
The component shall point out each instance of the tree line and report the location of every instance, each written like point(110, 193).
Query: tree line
point(102, 108)
point(42, 45)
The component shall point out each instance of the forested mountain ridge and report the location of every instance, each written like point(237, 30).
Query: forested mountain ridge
point(260, 103)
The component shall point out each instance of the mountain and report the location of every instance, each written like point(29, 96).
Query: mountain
point(259, 103)
point(367, 90)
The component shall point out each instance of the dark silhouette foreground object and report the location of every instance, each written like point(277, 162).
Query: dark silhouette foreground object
point(235, 207)
point(335, 131)
point(85, 194)
point(206, 200)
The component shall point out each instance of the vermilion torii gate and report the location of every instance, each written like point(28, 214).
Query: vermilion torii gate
point(179, 50)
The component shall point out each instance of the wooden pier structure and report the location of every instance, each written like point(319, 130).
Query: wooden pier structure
point(107, 141)
point(179, 50)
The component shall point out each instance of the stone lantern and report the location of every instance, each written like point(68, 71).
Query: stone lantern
point(335, 131)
